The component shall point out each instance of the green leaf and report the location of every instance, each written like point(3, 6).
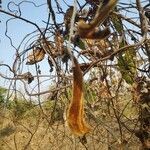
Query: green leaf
point(80, 44)
point(127, 64)
point(117, 22)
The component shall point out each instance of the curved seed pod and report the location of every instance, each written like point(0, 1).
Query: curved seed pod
point(75, 117)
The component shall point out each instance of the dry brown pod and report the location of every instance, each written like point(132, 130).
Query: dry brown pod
point(75, 115)
point(35, 56)
point(90, 30)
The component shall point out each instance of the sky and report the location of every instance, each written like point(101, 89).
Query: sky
point(17, 30)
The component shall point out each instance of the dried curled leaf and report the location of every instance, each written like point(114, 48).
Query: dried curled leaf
point(67, 18)
point(27, 77)
point(36, 55)
point(68, 15)
point(59, 40)
point(49, 47)
point(50, 64)
point(75, 118)
point(91, 30)
point(95, 2)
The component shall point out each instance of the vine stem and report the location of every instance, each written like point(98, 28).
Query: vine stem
point(72, 29)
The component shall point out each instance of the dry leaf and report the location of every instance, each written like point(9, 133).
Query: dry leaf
point(36, 55)
point(27, 77)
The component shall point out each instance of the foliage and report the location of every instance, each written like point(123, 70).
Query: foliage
point(20, 108)
point(2, 95)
